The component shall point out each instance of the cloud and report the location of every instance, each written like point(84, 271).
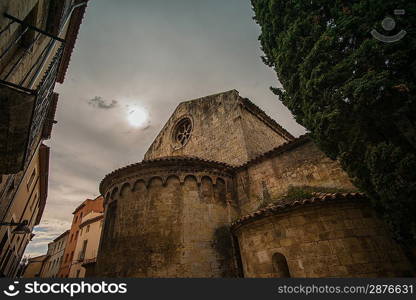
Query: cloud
point(99, 102)
point(44, 234)
point(170, 56)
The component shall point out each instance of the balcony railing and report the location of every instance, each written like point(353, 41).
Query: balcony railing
point(89, 261)
point(29, 63)
point(42, 103)
point(22, 57)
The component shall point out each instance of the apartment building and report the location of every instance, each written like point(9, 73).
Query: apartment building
point(78, 222)
point(55, 255)
point(35, 266)
point(27, 208)
point(86, 248)
point(37, 38)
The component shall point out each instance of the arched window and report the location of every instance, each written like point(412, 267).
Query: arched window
point(109, 221)
point(280, 267)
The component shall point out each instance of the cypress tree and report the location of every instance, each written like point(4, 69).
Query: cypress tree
point(354, 93)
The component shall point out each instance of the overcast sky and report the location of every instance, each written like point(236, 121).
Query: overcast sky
point(151, 55)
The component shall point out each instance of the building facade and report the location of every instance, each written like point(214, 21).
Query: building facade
point(36, 41)
point(28, 205)
point(225, 191)
point(35, 266)
point(55, 256)
point(70, 257)
point(86, 248)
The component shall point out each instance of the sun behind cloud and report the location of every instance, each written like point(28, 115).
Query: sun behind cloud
point(137, 117)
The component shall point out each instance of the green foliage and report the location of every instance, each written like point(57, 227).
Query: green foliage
point(355, 94)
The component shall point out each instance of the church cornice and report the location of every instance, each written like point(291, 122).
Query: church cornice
point(188, 164)
point(285, 206)
point(164, 168)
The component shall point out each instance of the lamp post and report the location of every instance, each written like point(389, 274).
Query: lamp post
point(21, 228)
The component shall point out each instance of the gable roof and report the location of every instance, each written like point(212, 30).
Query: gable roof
point(61, 236)
point(248, 105)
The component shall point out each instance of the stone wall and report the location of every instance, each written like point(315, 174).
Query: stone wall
point(223, 130)
point(343, 239)
point(259, 136)
point(170, 215)
point(165, 223)
point(299, 163)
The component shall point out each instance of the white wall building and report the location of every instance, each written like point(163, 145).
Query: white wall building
point(55, 256)
point(87, 245)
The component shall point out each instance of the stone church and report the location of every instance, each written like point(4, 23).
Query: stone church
point(225, 191)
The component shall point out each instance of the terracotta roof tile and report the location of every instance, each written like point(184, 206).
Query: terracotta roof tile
point(291, 204)
point(71, 37)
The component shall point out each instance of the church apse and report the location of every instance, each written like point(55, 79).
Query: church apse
point(161, 219)
point(225, 191)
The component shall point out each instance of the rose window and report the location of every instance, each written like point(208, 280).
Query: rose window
point(183, 131)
